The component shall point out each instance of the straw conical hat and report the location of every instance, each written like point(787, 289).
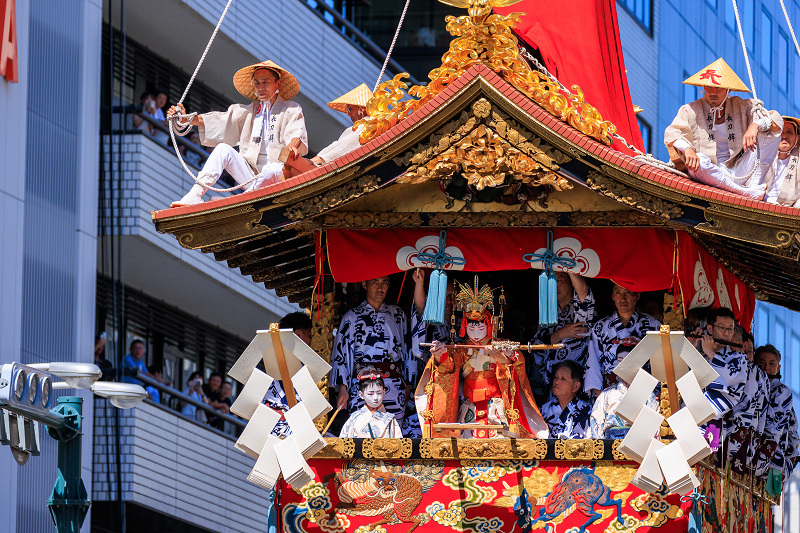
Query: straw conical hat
point(242, 80)
point(718, 74)
point(358, 96)
point(793, 120)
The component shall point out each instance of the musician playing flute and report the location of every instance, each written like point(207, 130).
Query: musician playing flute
point(495, 387)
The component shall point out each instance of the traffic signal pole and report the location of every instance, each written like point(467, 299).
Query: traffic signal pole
point(68, 501)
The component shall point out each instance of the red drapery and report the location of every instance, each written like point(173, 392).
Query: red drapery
point(579, 41)
point(640, 259)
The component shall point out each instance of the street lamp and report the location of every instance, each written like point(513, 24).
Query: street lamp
point(25, 397)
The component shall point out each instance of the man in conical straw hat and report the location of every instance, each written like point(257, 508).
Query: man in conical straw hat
point(782, 183)
point(261, 129)
point(354, 105)
point(723, 140)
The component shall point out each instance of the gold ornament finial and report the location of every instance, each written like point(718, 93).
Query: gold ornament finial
point(482, 37)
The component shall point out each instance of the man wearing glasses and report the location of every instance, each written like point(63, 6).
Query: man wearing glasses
point(739, 394)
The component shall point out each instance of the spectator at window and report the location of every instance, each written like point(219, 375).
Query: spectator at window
point(100, 358)
point(194, 390)
point(148, 103)
point(211, 390)
point(160, 99)
point(567, 413)
point(226, 397)
point(192, 157)
point(132, 363)
point(153, 392)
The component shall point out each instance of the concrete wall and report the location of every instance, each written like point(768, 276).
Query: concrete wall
point(149, 176)
point(169, 465)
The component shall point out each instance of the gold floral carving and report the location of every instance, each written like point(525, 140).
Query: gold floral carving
point(337, 449)
point(332, 198)
point(322, 326)
point(614, 218)
point(618, 455)
point(386, 448)
point(646, 202)
point(525, 449)
point(340, 219)
point(485, 152)
point(579, 449)
point(482, 37)
point(501, 219)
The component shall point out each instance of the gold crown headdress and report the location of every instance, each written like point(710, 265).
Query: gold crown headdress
point(478, 304)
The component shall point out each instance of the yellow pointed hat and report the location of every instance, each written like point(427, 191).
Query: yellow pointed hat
point(358, 97)
point(718, 74)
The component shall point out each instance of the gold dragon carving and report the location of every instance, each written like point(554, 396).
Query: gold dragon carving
point(482, 37)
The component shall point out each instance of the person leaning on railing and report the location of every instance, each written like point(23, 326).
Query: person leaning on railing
point(194, 390)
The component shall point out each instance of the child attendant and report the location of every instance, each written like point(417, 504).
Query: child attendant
point(371, 421)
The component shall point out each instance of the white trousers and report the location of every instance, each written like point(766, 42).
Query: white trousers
point(224, 157)
point(720, 175)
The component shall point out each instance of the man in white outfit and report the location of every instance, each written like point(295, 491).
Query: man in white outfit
point(260, 129)
point(723, 140)
point(782, 179)
point(354, 104)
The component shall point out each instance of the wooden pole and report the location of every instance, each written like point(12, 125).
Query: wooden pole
point(666, 350)
point(286, 379)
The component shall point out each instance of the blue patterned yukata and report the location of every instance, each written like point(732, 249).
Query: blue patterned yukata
point(569, 423)
point(367, 337)
point(539, 365)
point(609, 341)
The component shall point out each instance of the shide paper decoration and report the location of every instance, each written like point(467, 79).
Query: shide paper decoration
point(299, 368)
point(675, 361)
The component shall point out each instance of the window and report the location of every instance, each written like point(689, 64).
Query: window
point(690, 92)
point(766, 41)
point(748, 18)
point(783, 60)
point(712, 4)
point(641, 11)
point(730, 17)
point(779, 339)
point(647, 134)
point(762, 326)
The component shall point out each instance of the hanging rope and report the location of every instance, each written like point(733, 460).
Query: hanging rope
point(744, 48)
point(394, 40)
point(791, 29)
point(642, 157)
point(180, 124)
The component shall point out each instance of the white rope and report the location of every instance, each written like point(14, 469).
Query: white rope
point(181, 124)
point(641, 156)
point(791, 29)
point(394, 40)
point(744, 48)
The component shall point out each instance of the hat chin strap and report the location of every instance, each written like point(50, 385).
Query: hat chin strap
point(721, 107)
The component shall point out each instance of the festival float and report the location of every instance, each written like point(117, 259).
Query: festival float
point(499, 165)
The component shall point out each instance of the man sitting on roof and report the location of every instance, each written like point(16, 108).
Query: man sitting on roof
point(781, 179)
point(354, 104)
point(726, 142)
point(261, 129)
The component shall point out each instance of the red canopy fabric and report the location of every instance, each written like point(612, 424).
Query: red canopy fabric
point(579, 41)
point(705, 282)
point(639, 259)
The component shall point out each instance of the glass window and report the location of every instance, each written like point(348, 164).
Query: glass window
point(712, 3)
point(690, 92)
point(730, 16)
point(766, 41)
point(647, 134)
point(783, 60)
point(748, 18)
point(641, 11)
point(779, 339)
point(762, 326)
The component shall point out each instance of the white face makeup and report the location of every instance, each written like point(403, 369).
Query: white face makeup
point(372, 395)
point(476, 331)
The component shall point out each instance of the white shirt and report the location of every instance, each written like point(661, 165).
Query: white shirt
point(779, 165)
point(721, 136)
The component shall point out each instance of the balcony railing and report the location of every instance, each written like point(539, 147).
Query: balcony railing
point(176, 467)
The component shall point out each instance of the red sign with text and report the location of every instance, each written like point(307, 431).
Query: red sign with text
point(8, 44)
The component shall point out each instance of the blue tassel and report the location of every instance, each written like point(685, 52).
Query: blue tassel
point(543, 312)
point(552, 300)
point(437, 298)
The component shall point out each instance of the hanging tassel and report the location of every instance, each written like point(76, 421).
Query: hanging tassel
point(552, 300)
point(437, 298)
point(543, 313)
